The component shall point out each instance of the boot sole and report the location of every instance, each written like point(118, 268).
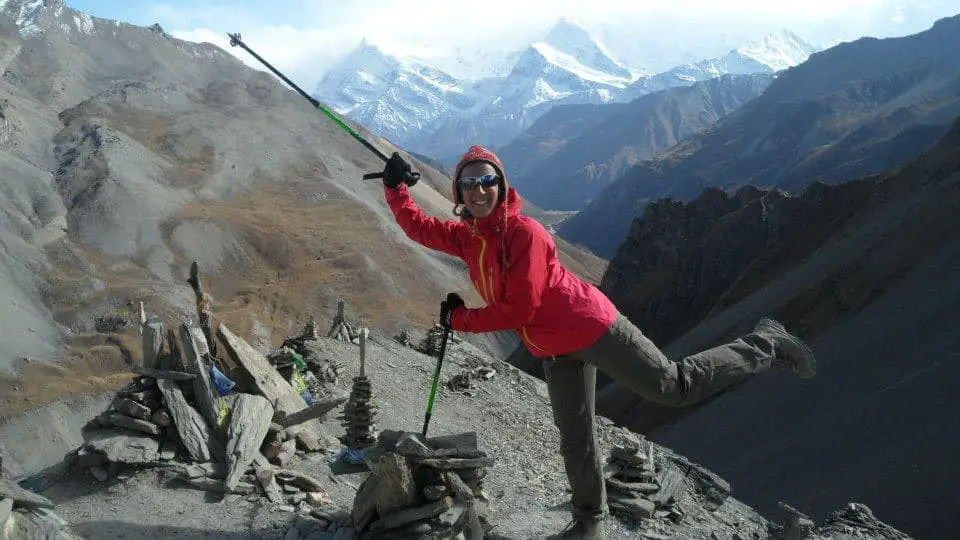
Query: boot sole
point(805, 363)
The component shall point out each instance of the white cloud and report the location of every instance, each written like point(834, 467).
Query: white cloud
point(303, 39)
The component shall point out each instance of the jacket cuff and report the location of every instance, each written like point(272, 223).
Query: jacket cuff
point(458, 319)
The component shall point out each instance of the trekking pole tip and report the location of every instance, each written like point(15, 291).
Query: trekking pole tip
point(234, 39)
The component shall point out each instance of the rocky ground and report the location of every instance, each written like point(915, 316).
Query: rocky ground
point(523, 495)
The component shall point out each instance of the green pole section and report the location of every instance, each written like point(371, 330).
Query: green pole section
point(436, 379)
point(236, 41)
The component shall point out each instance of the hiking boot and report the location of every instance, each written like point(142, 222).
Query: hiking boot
point(788, 347)
point(587, 529)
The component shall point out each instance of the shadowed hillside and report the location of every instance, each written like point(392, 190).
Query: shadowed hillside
point(866, 271)
point(853, 110)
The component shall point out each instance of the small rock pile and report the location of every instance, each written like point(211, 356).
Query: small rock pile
point(341, 329)
point(424, 489)
point(430, 344)
point(468, 380)
point(322, 370)
point(637, 486)
point(856, 520)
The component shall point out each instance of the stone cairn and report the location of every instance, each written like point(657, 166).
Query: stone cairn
point(229, 424)
point(359, 412)
point(639, 488)
point(322, 372)
point(430, 344)
point(423, 489)
point(342, 329)
point(468, 381)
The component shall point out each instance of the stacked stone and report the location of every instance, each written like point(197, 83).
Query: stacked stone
point(637, 487)
point(137, 408)
point(403, 338)
point(341, 329)
point(430, 344)
point(358, 415)
point(424, 489)
point(469, 380)
point(323, 370)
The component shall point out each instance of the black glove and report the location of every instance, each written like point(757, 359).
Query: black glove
point(447, 307)
point(397, 170)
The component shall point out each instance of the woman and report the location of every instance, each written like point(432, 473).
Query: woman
point(567, 322)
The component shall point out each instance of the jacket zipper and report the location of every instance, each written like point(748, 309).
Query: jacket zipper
point(487, 296)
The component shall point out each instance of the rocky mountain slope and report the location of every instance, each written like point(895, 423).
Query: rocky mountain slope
point(856, 109)
point(126, 154)
point(866, 272)
point(572, 152)
point(521, 493)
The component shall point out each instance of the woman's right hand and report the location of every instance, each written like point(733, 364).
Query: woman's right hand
point(398, 171)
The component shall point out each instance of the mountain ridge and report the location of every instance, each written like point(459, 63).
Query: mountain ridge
point(568, 65)
point(841, 128)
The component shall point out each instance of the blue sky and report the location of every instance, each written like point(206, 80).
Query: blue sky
point(304, 38)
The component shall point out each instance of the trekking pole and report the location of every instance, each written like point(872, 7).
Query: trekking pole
point(236, 41)
point(436, 379)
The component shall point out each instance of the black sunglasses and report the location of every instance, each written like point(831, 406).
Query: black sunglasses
point(473, 182)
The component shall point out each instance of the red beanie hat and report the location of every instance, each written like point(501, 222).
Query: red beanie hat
point(479, 153)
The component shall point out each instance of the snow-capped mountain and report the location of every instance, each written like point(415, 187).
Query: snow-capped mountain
point(415, 103)
point(571, 41)
point(397, 98)
point(470, 64)
point(770, 54)
point(568, 66)
point(27, 14)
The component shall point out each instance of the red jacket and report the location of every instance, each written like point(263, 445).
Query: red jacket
point(513, 265)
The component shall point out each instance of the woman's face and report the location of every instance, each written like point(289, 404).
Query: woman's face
point(479, 199)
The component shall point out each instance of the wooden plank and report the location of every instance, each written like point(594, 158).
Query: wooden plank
point(249, 421)
point(218, 486)
point(410, 515)
point(457, 463)
point(165, 374)
point(153, 335)
point(363, 351)
point(267, 478)
point(194, 352)
point(460, 489)
point(314, 411)
point(204, 308)
point(271, 385)
point(196, 434)
point(174, 360)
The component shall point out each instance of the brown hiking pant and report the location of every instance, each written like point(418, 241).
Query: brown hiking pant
point(632, 360)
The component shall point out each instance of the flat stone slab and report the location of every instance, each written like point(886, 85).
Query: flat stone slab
point(124, 446)
point(22, 497)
